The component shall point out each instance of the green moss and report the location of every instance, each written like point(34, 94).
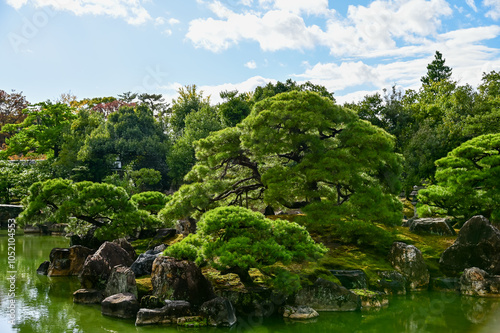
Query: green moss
point(144, 286)
point(141, 245)
point(365, 292)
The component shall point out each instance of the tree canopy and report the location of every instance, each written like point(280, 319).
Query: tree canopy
point(235, 239)
point(436, 70)
point(296, 150)
point(468, 180)
point(85, 205)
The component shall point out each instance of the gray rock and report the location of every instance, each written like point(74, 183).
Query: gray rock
point(435, 226)
point(124, 305)
point(351, 279)
point(392, 282)
point(162, 236)
point(68, 262)
point(477, 245)
point(299, 312)
point(180, 280)
point(219, 312)
point(121, 280)
point(259, 302)
point(477, 282)
point(43, 269)
point(371, 299)
point(97, 268)
point(143, 265)
point(324, 295)
point(124, 244)
point(88, 296)
point(408, 260)
point(168, 314)
point(151, 302)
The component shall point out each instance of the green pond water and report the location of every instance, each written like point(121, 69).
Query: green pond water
point(45, 305)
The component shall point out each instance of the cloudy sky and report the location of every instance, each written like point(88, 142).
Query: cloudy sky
point(93, 48)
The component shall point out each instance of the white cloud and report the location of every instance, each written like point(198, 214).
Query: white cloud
point(167, 32)
point(251, 64)
point(277, 25)
point(494, 12)
point(160, 21)
point(173, 21)
point(317, 7)
point(472, 4)
point(275, 30)
point(131, 11)
point(245, 86)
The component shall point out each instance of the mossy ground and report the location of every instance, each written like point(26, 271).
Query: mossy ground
point(144, 286)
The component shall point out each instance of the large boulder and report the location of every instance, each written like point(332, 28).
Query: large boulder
point(408, 260)
point(124, 244)
point(143, 265)
point(121, 280)
point(88, 296)
point(325, 295)
point(477, 245)
point(477, 282)
point(68, 262)
point(180, 280)
point(392, 282)
point(371, 299)
point(219, 312)
point(43, 269)
point(435, 226)
point(351, 279)
point(168, 314)
point(97, 268)
point(124, 305)
point(260, 302)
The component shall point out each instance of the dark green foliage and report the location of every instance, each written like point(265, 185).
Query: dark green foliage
point(296, 150)
point(189, 100)
point(151, 202)
point(235, 239)
point(436, 70)
point(83, 205)
point(271, 90)
point(468, 180)
point(198, 125)
point(235, 107)
point(16, 177)
point(134, 137)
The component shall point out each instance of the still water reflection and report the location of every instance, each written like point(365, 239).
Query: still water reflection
point(45, 305)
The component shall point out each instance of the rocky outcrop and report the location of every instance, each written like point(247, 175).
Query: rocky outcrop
point(371, 299)
point(299, 312)
point(219, 312)
point(124, 305)
point(408, 260)
point(477, 245)
point(392, 282)
point(434, 226)
point(121, 280)
point(257, 301)
point(88, 296)
point(68, 262)
point(97, 268)
point(124, 244)
point(143, 265)
point(43, 269)
point(353, 279)
point(477, 282)
point(324, 295)
point(168, 314)
point(186, 226)
point(180, 280)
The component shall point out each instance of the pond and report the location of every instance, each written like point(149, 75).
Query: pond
point(45, 304)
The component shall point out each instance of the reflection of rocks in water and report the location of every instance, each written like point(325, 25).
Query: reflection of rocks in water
point(477, 309)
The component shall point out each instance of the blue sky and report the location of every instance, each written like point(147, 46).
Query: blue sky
point(93, 48)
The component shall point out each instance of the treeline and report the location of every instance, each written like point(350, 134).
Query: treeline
point(142, 142)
